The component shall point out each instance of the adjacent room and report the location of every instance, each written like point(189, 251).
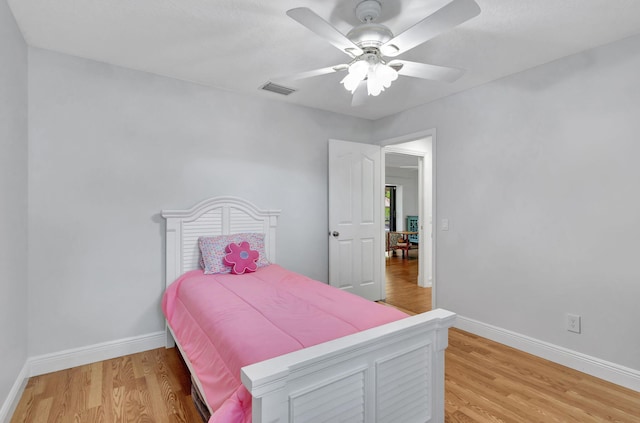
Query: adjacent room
point(402, 259)
point(508, 129)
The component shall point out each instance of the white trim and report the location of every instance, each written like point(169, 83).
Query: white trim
point(67, 359)
point(615, 373)
point(402, 150)
point(408, 137)
point(382, 285)
point(12, 400)
point(432, 219)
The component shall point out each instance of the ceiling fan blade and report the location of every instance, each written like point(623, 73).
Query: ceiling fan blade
point(360, 95)
point(315, 23)
point(425, 71)
point(311, 73)
point(451, 15)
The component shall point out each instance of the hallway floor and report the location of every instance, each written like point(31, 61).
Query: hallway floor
point(401, 284)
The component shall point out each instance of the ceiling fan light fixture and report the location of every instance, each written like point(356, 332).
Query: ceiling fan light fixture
point(380, 77)
point(377, 75)
point(357, 72)
point(386, 74)
point(374, 84)
point(350, 83)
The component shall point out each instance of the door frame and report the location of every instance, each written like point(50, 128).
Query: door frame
point(391, 146)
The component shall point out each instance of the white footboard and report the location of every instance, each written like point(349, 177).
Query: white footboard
point(393, 373)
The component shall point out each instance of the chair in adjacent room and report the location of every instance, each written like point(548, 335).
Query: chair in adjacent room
point(397, 241)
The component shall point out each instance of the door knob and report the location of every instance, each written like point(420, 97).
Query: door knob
point(335, 233)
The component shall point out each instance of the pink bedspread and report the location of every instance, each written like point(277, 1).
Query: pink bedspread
point(225, 322)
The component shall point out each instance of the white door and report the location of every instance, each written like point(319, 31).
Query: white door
point(355, 218)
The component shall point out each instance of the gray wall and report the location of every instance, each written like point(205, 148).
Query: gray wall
point(110, 148)
point(536, 172)
point(539, 176)
point(13, 201)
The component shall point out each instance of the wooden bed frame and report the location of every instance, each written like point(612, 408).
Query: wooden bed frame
point(390, 373)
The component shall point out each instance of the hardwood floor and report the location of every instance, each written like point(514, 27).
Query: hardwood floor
point(490, 382)
point(152, 386)
point(485, 382)
point(401, 284)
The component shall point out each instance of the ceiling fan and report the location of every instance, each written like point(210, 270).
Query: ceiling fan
point(372, 47)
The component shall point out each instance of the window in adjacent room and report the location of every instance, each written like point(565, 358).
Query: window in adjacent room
point(390, 208)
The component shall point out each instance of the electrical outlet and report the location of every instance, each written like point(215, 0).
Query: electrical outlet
point(573, 323)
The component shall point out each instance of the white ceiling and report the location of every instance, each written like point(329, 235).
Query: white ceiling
point(238, 45)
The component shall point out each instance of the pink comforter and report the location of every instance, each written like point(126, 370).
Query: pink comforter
point(225, 322)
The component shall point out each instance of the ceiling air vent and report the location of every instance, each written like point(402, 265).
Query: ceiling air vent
point(278, 89)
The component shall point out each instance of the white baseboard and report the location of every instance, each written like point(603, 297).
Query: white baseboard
point(11, 402)
point(425, 283)
point(615, 373)
point(90, 354)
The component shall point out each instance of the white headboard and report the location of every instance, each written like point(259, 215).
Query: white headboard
point(215, 216)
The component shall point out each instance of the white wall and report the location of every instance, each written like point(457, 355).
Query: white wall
point(408, 178)
point(536, 173)
point(110, 148)
point(539, 176)
point(13, 201)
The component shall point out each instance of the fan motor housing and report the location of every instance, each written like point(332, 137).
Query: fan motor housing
point(368, 10)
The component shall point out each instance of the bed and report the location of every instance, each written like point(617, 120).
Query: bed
point(345, 359)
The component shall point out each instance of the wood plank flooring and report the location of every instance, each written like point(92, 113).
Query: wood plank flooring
point(152, 386)
point(401, 284)
point(485, 382)
point(489, 382)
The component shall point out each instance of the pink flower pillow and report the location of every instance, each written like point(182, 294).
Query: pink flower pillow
point(241, 258)
point(213, 250)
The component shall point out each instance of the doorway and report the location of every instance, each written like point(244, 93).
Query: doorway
point(409, 180)
point(356, 228)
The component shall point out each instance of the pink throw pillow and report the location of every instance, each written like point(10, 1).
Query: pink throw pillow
point(212, 250)
point(241, 258)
